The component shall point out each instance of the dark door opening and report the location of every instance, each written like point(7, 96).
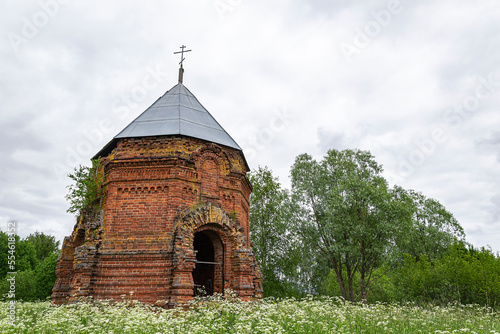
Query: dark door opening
point(203, 273)
point(208, 273)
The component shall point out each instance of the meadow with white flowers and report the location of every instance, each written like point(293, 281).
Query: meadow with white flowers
point(229, 315)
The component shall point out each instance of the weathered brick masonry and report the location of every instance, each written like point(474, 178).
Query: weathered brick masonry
point(174, 217)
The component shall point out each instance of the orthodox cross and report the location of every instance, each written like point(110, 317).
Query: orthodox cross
point(182, 53)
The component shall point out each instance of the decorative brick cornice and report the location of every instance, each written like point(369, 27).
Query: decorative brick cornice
point(143, 190)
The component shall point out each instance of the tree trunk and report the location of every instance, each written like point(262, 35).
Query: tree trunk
point(350, 275)
point(363, 288)
point(340, 280)
point(351, 290)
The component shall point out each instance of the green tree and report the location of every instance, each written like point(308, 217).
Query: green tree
point(429, 229)
point(35, 265)
point(46, 276)
point(4, 254)
point(464, 274)
point(87, 189)
point(26, 288)
point(346, 213)
point(273, 236)
point(45, 245)
point(25, 255)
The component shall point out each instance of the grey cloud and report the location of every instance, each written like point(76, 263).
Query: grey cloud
point(495, 200)
point(15, 136)
point(492, 143)
point(331, 140)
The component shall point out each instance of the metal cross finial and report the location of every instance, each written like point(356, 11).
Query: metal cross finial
point(182, 53)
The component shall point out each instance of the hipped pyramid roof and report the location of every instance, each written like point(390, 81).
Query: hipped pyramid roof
point(177, 112)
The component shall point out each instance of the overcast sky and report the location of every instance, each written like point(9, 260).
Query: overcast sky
point(417, 83)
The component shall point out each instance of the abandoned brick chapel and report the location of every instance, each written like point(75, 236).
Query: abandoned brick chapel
point(174, 218)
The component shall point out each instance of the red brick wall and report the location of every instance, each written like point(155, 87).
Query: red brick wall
point(150, 182)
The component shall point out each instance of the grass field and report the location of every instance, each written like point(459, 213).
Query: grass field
point(217, 315)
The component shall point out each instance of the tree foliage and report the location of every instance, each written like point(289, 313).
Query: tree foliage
point(35, 265)
point(275, 241)
point(87, 189)
point(45, 245)
point(465, 275)
point(428, 228)
point(359, 239)
point(346, 213)
point(45, 275)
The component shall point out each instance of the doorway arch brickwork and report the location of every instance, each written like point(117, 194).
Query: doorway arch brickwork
point(239, 269)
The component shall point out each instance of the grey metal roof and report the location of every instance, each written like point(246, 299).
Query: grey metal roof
point(178, 112)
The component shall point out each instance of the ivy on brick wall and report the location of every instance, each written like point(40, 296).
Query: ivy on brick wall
point(86, 191)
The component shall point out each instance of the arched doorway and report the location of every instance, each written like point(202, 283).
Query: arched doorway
point(209, 270)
